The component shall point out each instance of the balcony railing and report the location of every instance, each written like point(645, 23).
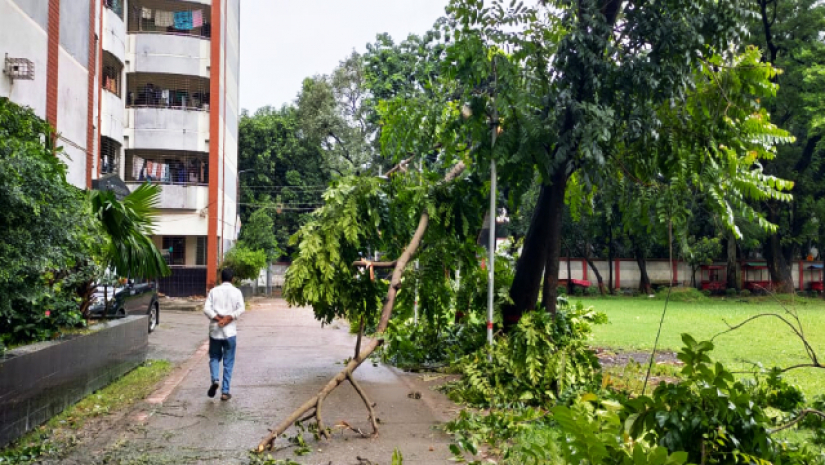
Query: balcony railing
point(187, 169)
point(170, 18)
point(168, 91)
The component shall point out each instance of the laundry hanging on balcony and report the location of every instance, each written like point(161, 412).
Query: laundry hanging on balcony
point(183, 20)
point(164, 18)
point(146, 13)
point(197, 18)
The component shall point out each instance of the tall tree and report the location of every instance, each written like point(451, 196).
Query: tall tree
point(789, 33)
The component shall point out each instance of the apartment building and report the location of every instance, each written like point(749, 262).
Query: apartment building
point(140, 90)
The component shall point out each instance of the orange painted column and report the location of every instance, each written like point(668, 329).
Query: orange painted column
point(100, 89)
point(53, 62)
point(584, 270)
point(214, 145)
point(618, 264)
point(90, 95)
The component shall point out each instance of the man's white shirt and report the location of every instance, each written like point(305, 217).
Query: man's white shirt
point(223, 300)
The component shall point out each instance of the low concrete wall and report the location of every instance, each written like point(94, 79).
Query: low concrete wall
point(39, 381)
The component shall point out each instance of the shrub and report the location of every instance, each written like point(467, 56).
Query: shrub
point(578, 291)
point(730, 292)
point(592, 291)
point(683, 294)
point(246, 263)
point(48, 232)
point(561, 290)
point(539, 361)
point(744, 293)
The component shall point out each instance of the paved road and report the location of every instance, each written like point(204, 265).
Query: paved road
point(283, 358)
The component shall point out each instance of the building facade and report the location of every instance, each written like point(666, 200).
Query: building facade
point(140, 90)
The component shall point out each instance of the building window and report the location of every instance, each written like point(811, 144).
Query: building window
point(174, 249)
point(116, 6)
point(109, 156)
point(111, 76)
point(200, 257)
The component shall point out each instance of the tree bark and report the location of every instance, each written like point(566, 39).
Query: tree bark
point(644, 279)
point(528, 277)
point(778, 258)
point(733, 277)
point(556, 215)
point(598, 275)
point(610, 260)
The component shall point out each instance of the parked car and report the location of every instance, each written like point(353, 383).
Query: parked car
point(132, 297)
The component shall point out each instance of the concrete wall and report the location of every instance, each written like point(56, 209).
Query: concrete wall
point(112, 119)
point(167, 129)
point(659, 272)
point(168, 54)
point(177, 223)
point(114, 35)
point(23, 35)
point(73, 112)
point(74, 29)
point(39, 381)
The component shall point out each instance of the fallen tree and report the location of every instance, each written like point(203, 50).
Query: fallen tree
point(315, 403)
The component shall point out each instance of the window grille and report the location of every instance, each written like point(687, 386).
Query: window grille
point(200, 258)
point(109, 156)
point(167, 167)
point(116, 6)
point(169, 17)
point(167, 91)
point(112, 72)
point(174, 250)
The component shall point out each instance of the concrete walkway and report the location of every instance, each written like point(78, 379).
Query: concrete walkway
point(283, 358)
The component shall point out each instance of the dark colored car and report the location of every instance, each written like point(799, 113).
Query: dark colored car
point(135, 297)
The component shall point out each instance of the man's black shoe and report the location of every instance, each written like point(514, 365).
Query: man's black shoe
point(212, 390)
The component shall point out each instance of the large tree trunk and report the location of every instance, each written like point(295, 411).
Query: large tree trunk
point(551, 265)
point(527, 280)
point(733, 278)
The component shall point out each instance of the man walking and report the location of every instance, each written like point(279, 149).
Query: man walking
point(223, 306)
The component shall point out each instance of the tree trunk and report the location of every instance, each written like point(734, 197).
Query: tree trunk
point(778, 259)
point(556, 215)
point(598, 275)
point(733, 277)
point(610, 260)
point(528, 277)
point(779, 267)
point(644, 279)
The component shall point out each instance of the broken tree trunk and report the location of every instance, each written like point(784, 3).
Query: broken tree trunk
point(346, 374)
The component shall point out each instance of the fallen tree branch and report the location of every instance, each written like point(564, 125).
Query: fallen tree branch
point(804, 413)
point(375, 264)
point(386, 313)
point(373, 420)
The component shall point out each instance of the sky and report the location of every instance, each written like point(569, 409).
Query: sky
point(285, 41)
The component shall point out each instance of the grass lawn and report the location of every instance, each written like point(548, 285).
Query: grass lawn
point(634, 322)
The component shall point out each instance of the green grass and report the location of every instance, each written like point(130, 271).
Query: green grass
point(57, 435)
point(634, 322)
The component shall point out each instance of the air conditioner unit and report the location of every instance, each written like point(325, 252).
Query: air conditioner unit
point(19, 68)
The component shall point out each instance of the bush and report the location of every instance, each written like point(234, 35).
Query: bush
point(592, 291)
point(683, 294)
point(578, 291)
point(561, 290)
point(246, 263)
point(730, 292)
point(744, 293)
point(706, 293)
point(48, 232)
point(541, 360)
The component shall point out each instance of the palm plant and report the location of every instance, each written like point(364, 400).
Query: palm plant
point(127, 225)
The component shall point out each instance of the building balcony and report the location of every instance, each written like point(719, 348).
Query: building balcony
point(114, 29)
point(172, 54)
point(156, 128)
point(180, 197)
point(183, 175)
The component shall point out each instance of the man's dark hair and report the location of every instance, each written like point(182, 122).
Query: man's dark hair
point(227, 274)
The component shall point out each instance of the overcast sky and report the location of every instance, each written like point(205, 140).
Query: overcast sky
point(282, 41)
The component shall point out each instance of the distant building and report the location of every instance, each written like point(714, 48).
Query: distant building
point(141, 90)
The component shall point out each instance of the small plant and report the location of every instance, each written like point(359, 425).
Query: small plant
point(744, 293)
point(561, 290)
point(730, 292)
point(578, 291)
point(592, 291)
